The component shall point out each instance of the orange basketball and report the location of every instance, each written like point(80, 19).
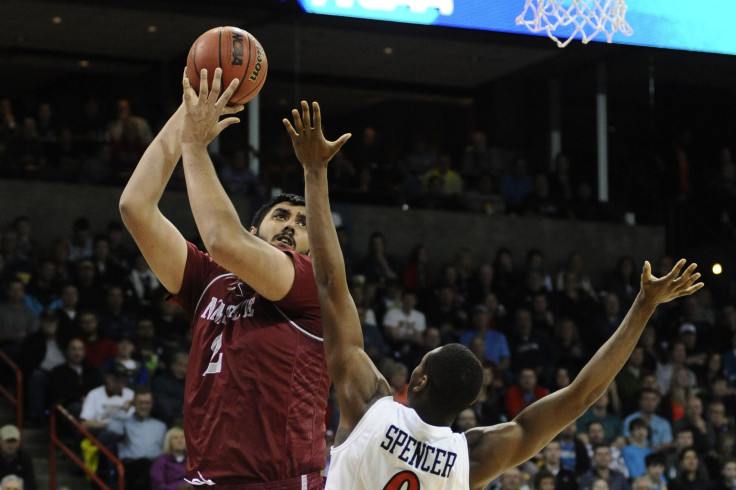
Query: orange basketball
point(237, 52)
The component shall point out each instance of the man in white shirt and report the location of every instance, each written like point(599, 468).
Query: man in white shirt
point(404, 326)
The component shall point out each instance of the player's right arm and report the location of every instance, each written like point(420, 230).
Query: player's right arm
point(494, 449)
point(159, 241)
point(357, 381)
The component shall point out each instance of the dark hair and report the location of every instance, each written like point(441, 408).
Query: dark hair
point(654, 458)
point(455, 378)
point(142, 390)
point(542, 474)
point(636, 423)
point(294, 199)
point(590, 423)
point(684, 451)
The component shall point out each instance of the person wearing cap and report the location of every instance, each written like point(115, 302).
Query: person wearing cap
point(41, 352)
point(13, 460)
point(138, 373)
point(103, 402)
point(695, 355)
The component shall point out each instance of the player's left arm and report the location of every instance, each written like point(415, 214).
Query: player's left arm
point(494, 449)
point(264, 267)
point(356, 379)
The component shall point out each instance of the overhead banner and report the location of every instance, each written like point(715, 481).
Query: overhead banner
point(674, 24)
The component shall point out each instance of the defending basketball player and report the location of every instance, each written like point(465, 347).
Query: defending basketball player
point(256, 382)
point(382, 444)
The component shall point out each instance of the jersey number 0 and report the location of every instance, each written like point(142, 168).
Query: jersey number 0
point(404, 480)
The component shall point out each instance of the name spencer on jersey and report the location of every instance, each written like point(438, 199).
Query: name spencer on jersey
point(418, 454)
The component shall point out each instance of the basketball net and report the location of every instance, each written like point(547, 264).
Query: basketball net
point(587, 17)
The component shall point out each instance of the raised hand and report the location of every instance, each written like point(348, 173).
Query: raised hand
point(658, 290)
point(202, 119)
point(312, 149)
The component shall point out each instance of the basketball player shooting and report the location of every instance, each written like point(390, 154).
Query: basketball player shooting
point(381, 443)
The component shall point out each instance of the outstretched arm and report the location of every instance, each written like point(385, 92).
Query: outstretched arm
point(264, 267)
point(159, 241)
point(493, 449)
point(356, 379)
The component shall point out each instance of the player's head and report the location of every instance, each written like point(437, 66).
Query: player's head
point(282, 221)
point(448, 379)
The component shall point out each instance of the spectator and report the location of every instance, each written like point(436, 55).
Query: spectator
point(66, 308)
point(654, 463)
point(115, 321)
point(704, 437)
point(601, 469)
point(169, 468)
point(678, 355)
point(511, 480)
point(141, 439)
point(377, 266)
point(515, 185)
point(14, 460)
point(41, 352)
point(596, 436)
point(528, 349)
point(168, 390)
point(641, 483)
point(627, 380)
point(80, 245)
point(16, 319)
point(90, 291)
point(70, 382)
point(523, 394)
point(142, 283)
point(107, 270)
point(681, 389)
point(637, 450)
point(238, 179)
point(11, 482)
point(660, 429)
point(44, 286)
point(465, 420)
point(539, 201)
point(150, 347)
point(605, 322)
point(573, 454)
point(97, 348)
point(599, 412)
point(452, 182)
point(404, 326)
point(496, 347)
point(728, 476)
point(690, 476)
point(417, 274)
point(683, 440)
point(623, 281)
point(544, 480)
point(489, 405)
point(397, 375)
point(137, 371)
point(103, 402)
point(564, 479)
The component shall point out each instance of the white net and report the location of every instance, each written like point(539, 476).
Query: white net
point(561, 18)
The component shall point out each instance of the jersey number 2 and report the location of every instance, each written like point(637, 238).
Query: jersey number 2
point(215, 366)
point(404, 480)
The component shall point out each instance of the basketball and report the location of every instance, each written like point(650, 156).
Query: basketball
point(237, 52)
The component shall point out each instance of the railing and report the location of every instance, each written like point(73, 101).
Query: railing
point(16, 399)
point(56, 442)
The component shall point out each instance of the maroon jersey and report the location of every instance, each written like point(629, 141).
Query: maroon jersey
point(257, 383)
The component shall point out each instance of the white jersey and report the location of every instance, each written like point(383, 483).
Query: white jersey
point(391, 448)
